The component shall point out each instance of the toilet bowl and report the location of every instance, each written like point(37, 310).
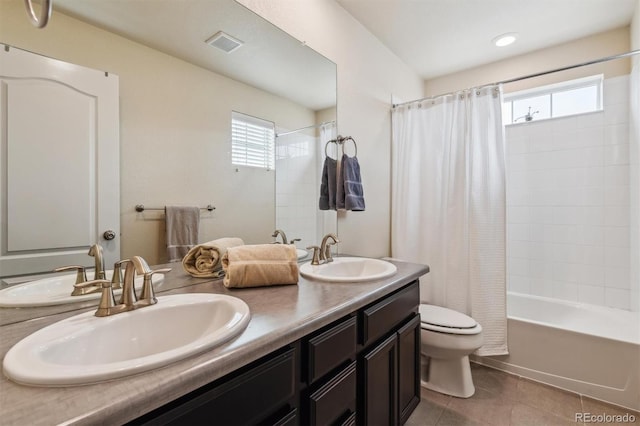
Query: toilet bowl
point(448, 337)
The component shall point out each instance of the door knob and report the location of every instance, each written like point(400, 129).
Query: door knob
point(109, 234)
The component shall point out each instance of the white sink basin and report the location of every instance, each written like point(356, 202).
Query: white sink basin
point(54, 290)
point(86, 349)
point(349, 269)
point(302, 253)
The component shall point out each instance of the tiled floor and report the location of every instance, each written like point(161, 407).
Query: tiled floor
point(502, 399)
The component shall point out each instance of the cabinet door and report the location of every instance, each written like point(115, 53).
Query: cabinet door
point(378, 384)
point(408, 368)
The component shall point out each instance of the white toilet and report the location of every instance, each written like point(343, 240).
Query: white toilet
point(448, 337)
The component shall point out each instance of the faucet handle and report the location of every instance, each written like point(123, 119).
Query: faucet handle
point(148, 296)
point(107, 300)
point(295, 240)
point(116, 279)
point(327, 252)
point(316, 255)
point(81, 274)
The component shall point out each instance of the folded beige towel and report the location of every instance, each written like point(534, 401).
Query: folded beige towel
point(260, 265)
point(203, 260)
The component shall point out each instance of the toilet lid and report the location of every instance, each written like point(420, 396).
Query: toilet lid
point(444, 317)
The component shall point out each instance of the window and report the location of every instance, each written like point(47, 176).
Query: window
point(252, 141)
point(556, 100)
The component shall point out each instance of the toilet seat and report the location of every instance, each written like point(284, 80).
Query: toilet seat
point(444, 320)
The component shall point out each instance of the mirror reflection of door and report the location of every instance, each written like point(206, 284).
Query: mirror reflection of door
point(59, 163)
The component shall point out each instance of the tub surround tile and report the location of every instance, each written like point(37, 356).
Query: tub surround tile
point(570, 183)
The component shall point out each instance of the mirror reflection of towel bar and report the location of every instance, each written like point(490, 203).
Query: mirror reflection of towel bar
point(341, 141)
point(140, 208)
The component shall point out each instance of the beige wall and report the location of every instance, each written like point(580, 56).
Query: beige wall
point(574, 52)
point(368, 75)
point(175, 132)
point(635, 28)
point(634, 168)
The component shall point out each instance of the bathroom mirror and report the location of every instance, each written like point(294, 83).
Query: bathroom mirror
point(177, 94)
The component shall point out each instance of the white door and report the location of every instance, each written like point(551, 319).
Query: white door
point(59, 163)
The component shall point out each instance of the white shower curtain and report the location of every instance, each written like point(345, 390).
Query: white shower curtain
point(448, 204)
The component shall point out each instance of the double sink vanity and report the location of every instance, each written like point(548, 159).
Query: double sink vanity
point(325, 351)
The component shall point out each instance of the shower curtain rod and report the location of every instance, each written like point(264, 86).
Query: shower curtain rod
point(304, 128)
point(538, 74)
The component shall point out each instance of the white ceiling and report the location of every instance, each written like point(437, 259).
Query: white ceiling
point(438, 37)
point(270, 59)
point(434, 37)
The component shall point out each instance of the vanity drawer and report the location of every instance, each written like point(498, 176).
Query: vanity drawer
point(335, 402)
point(377, 320)
point(253, 397)
point(331, 348)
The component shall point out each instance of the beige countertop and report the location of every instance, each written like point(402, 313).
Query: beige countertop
point(279, 315)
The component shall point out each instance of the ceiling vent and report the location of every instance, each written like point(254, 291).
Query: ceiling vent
point(224, 41)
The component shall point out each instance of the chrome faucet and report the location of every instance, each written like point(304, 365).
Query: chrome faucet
point(96, 251)
point(282, 234)
point(128, 300)
point(325, 247)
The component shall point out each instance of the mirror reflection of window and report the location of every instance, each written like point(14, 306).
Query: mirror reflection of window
point(252, 141)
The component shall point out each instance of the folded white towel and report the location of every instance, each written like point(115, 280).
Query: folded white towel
point(203, 260)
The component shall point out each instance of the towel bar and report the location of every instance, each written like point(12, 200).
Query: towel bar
point(341, 141)
point(141, 208)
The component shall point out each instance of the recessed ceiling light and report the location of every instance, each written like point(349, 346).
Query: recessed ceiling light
point(505, 39)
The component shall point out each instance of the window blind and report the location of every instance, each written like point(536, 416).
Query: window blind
point(252, 141)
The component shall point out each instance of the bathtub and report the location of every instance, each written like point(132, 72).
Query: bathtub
point(586, 349)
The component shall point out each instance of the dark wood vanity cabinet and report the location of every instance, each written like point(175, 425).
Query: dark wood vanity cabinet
point(263, 393)
point(390, 361)
point(362, 369)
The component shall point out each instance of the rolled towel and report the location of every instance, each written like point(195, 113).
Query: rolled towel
point(260, 265)
point(203, 260)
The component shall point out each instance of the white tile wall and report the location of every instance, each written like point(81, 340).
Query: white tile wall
point(297, 187)
point(568, 204)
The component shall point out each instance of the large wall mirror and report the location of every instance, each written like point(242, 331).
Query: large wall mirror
point(177, 94)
